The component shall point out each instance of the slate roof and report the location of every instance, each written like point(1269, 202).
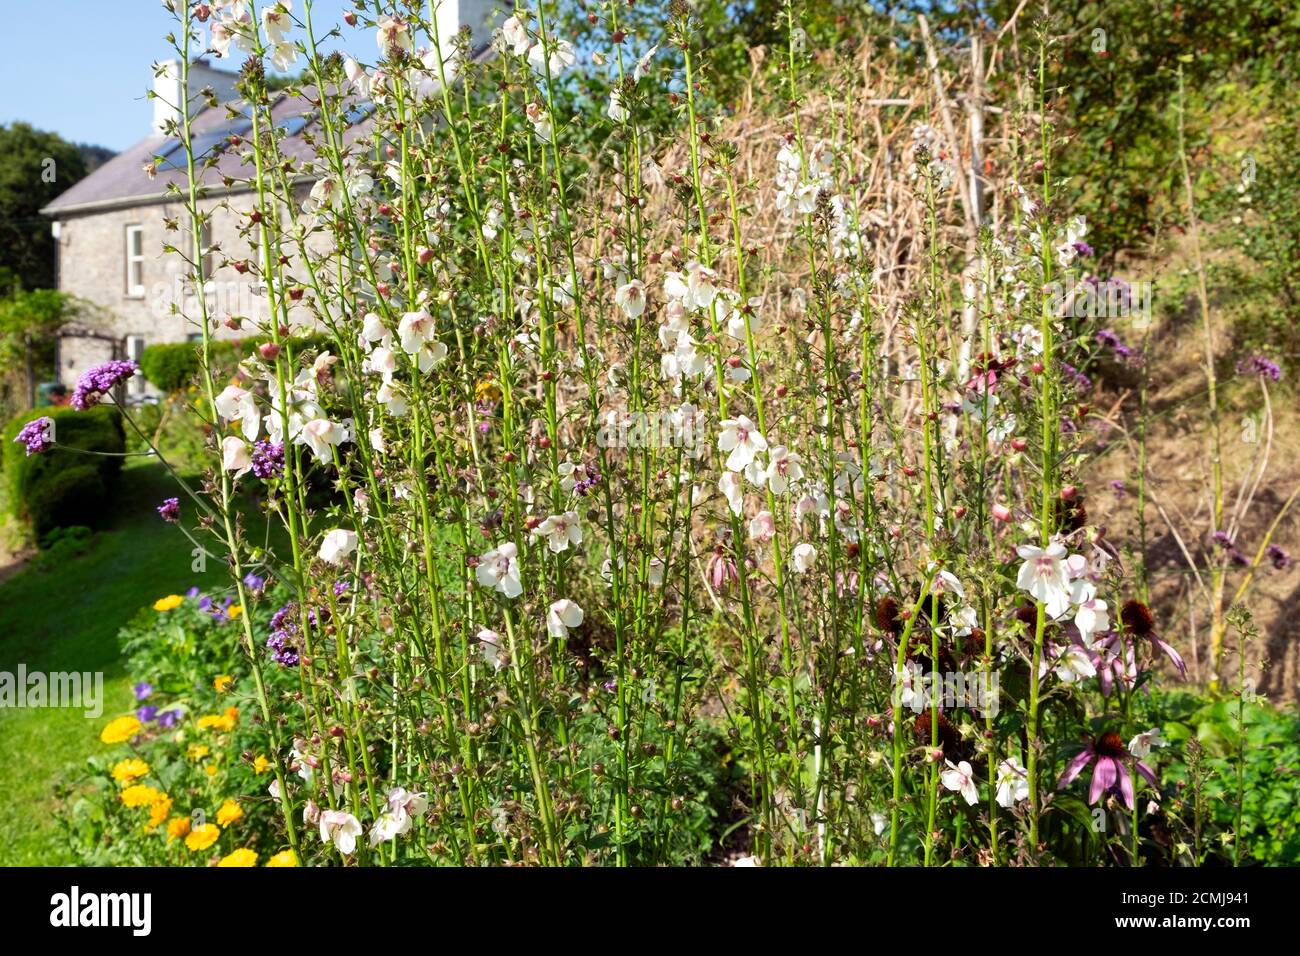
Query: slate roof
point(123, 182)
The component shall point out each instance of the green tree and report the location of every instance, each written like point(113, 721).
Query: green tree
point(37, 167)
point(29, 324)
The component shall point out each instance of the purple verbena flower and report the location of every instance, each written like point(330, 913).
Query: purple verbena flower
point(268, 459)
point(170, 510)
point(99, 380)
point(37, 435)
point(1281, 560)
point(1259, 365)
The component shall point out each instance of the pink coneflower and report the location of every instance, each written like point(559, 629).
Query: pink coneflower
point(722, 569)
point(1110, 775)
point(1139, 622)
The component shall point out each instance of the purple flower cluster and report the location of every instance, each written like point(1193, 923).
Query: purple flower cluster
point(255, 583)
point(268, 459)
point(142, 690)
point(1258, 365)
point(585, 485)
point(1081, 381)
point(170, 510)
point(1281, 560)
point(1119, 488)
point(216, 609)
point(284, 636)
point(149, 713)
point(37, 435)
point(1083, 249)
point(1112, 341)
point(98, 381)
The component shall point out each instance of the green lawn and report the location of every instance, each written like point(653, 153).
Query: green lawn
point(66, 619)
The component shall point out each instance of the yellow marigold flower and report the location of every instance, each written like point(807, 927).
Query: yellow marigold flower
point(158, 811)
point(177, 827)
point(139, 795)
point(121, 730)
point(283, 858)
point(221, 683)
point(224, 721)
point(210, 770)
point(261, 764)
point(241, 857)
point(234, 611)
point(487, 389)
point(197, 751)
point(169, 603)
point(202, 836)
point(132, 768)
point(229, 812)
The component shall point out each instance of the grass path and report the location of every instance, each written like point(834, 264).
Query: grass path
point(66, 619)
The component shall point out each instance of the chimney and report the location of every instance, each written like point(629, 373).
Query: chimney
point(481, 16)
point(167, 90)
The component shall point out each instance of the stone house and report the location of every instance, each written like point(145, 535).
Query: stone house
point(110, 228)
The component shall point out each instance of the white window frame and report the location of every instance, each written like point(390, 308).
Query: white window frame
point(134, 350)
point(134, 262)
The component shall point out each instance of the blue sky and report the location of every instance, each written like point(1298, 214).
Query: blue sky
point(81, 67)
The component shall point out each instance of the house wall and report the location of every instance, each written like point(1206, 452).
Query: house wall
point(93, 266)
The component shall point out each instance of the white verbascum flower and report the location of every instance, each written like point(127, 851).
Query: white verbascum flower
point(730, 485)
point(498, 569)
point(1013, 783)
point(235, 403)
point(742, 439)
point(762, 527)
point(235, 456)
point(1092, 617)
point(393, 32)
point(418, 336)
point(337, 545)
point(1074, 664)
point(321, 435)
point(561, 57)
point(489, 645)
point(960, 778)
point(514, 35)
point(1142, 745)
point(341, 829)
point(630, 297)
point(616, 110)
point(562, 616)
point(560, 531)
point(1045, 576)
point(782, 468)
point(803, 557)
point(400, 812)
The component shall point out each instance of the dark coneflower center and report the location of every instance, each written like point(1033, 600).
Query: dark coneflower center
point(887, 616)
point(1110, 744)
point(1137, 618)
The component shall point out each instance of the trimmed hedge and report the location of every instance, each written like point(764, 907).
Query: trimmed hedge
point(172, 366)
point(60, 488)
